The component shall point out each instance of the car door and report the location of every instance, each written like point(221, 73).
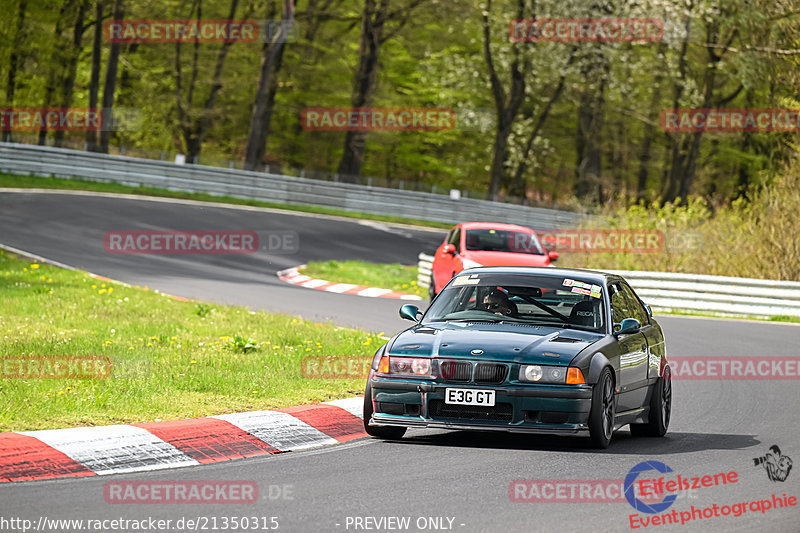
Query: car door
point(443, 262)
point(656, 348)
point(633, 359)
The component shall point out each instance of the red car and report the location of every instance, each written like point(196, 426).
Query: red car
point(475, 244)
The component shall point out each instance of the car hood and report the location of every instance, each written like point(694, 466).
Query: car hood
point(499, 342)
point(506, 258)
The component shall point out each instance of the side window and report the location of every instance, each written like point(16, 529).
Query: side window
point(637, 310)
point(620, 307)
point(455, 239)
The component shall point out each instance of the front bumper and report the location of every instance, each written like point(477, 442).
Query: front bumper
point(549, 409)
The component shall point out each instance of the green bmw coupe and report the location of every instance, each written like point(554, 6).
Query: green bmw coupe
point(524, 349)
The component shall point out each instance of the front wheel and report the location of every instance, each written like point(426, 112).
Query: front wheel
point(660, 410)
point(381, 432)
point(601, 414)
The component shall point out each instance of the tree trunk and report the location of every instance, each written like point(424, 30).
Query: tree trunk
point(507, 106)
point(11, 82)
point(365, 83)
point(518, 185)
point(649, 131)
point(260, 117)
point(194, 131)
point(94, 82)
point(55, 73)
point(591, 110)
point(111, 83)
point(68, 82)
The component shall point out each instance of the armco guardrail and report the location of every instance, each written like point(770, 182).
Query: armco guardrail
point(61, 162)
point(721, 295)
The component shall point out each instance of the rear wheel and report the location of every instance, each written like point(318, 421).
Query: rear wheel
point(660, 410)
point(381, 432)
point(601, 414)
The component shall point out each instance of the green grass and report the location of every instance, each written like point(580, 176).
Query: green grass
point(392, 276)
point(171, 359)
point(15, 181)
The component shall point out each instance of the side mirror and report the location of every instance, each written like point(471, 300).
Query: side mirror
point(628, 325)
point(410, 312)
point(553, 256)
point(450, 249)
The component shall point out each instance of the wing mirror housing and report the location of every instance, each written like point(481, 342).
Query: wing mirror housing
point(628, 325)
point(410, 312)
point(553, 256)
point(450, 249)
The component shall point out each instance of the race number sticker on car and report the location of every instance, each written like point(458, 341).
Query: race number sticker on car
point(469, 397)
point(464, 280)
point(580, 287)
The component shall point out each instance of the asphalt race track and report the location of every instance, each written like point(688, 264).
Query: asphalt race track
point(717, 426)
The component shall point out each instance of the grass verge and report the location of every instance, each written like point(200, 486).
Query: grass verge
point(392, 276)
point(178, 359)
point(35, 182)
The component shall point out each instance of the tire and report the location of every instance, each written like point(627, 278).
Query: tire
point(431, 289)
point(660, 410)
point(601, 414)
point(381, 432)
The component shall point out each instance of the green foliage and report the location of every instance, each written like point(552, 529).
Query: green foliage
point(201, 309)
point(238, 343)
point(436, 59)
point(754, 239)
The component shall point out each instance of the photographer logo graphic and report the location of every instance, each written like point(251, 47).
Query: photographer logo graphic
point(639, 505)
point(777, 466)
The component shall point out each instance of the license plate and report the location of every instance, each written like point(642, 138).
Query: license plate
point(469, 397)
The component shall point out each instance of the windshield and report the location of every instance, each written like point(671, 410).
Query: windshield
point(496, 240)
point(520, 298)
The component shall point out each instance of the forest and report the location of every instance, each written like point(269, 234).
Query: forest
point(560, 122)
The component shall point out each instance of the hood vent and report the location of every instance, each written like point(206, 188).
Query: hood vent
point(566, 339)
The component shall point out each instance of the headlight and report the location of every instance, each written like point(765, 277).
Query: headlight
point(543, 374)
point(405, 366)
point(469, 263)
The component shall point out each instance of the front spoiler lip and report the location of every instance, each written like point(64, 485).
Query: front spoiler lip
point(577, 429)
point(579, 392)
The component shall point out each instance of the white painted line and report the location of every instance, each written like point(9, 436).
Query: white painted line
point(314, 283)
point(374, 291)
point(354, 406)
point(298, 279)
point(341, 287)
point(281, 430)
point(114, 449)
